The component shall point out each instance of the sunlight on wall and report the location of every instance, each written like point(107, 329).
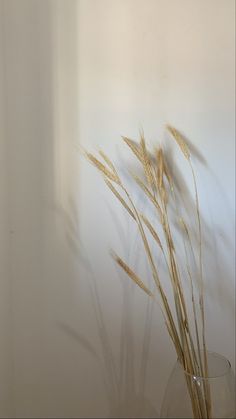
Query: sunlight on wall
point(81, 73)
point(65, 77)
point(142, 66)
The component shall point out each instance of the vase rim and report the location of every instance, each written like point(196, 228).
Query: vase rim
point(212, 376)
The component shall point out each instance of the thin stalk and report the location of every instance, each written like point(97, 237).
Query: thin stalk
point(188, 266)
point(206, 384)
point(178, 296)
point(199, 367)
point(178, 328)
point(182, 317)
point(154, 271)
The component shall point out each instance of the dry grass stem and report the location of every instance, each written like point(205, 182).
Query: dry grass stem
point(147, 192)
point(108, 161)
point(152, 230)
point(119, 197)
point(179, 139)
point(146, 163)
point(110, 174)
point(131, 274)
point(134, 148)
point(159, 189)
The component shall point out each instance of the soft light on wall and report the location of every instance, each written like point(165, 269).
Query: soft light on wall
point(81, 74)
point(142, 65)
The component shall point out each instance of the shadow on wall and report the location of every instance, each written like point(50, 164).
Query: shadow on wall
point(214, 266)
point(127, 396)
point(41, 132)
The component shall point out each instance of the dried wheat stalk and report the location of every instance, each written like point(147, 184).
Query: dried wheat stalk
point(158, 189)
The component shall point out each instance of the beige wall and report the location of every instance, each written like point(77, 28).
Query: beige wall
point(5, 310)
point(83, 73)
point(142, 64)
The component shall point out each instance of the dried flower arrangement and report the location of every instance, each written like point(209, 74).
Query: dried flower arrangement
point(159, 188)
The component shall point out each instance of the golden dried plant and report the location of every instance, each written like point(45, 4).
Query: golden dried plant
point(159, 188)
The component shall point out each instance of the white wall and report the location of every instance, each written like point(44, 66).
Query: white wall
point(142, 64)
point(83, 73)
point(46, 363)
point(5, 311)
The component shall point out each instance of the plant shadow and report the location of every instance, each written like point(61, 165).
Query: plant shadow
point(126, 394)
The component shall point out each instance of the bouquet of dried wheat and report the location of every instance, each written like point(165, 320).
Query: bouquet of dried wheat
point(159, 187)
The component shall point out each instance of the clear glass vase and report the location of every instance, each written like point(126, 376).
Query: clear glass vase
point(178, 403)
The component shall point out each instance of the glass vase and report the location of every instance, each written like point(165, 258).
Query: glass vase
point(184, 390)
